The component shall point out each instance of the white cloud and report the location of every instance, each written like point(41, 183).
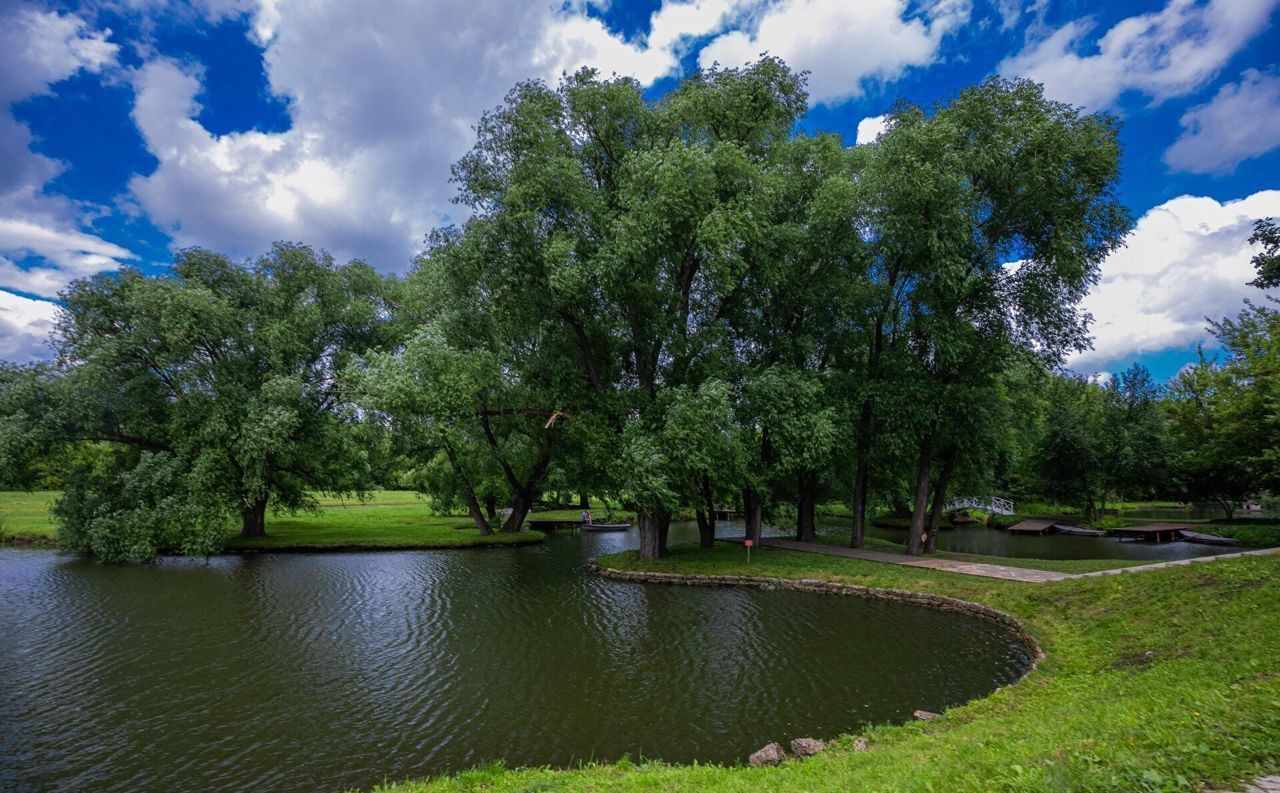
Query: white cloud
point(24, 327)
point(376, 123)
point(66, 254)
point(37, 49)
point(1240, 122)
point(1187, 259)
point(842, 43)
point(1163, 54)
point(870, 128)
point(42, 47)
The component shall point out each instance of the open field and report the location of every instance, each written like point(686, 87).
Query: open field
point(25, 518)
point(389, 519)
point(1159, 682)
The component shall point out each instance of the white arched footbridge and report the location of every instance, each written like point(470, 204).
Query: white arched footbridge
point(1000, 506)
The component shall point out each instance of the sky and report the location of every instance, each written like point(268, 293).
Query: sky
point(130, 129)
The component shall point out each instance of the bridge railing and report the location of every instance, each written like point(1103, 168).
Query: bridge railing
point(1000, 506)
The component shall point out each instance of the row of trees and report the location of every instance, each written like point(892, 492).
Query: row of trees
point(672, 303)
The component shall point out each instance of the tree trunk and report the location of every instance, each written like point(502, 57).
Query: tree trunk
point(918, 535)
point(526, 494)
point(477, 514)
point(254, 519)
point(805, 507)
point(520, 507)
point(859, 506)
point(940, 498)
point(706, 528)
point(752, 515)
point(583, 501)
point(491, 506)
point(707, 531)
point(1228, 508)
point(654, 524)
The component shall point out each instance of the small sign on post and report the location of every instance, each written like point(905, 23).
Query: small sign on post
point(750, 544)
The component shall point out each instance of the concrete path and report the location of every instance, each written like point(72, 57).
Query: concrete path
point(1266, 784)
point(980, 569)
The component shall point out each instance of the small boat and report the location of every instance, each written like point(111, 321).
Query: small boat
point(605, 526)
point(1207, 539)
point(1076, 531)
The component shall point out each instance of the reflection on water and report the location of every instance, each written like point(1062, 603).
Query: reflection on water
point(298, 672)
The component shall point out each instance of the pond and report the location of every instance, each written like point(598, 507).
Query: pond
point(327, 672)
point(993, 542)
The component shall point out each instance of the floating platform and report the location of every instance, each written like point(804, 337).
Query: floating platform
point(550, 524)
point(1152, 532)
point(1034, 526)
point(1208, 539)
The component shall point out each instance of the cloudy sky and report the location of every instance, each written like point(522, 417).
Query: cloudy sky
point(131, 128)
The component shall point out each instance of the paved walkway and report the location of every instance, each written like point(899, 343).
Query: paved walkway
point(1266, 784)
point(980, 569)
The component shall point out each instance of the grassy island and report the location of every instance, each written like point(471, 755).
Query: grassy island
point(1160, 681)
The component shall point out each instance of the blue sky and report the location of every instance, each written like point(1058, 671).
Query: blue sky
point(132, 128)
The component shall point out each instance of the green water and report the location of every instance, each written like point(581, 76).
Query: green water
point(326, 672)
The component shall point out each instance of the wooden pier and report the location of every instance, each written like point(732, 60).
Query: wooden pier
point(1035, 526)
point(1152, 532)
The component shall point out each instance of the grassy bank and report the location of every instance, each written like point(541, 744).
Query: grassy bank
point(1160, 681)
point(389, 519)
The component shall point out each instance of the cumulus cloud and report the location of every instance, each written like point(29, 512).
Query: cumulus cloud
point(870, 128)
point(842, 44)
point(25, 325)
point(1242, 121)
point(39, 48)
point(382, 99)
point(1187, 259)
point(1163, 54)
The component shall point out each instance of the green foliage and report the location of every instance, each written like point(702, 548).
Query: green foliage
point(137, 509)
point(1266, 232)
point(204, 395)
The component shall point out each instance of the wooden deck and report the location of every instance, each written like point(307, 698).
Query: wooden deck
point(1152, 532)
point(1034, 526)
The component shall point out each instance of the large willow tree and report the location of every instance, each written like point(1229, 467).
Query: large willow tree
point(988, 219)
point(610, 240)
point(215, 392)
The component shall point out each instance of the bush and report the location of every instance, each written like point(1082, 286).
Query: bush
point(147, 509)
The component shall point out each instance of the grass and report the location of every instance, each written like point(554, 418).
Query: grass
point(25, 518)
point(1161, 681)
point(1260, 534)
point(390, 519)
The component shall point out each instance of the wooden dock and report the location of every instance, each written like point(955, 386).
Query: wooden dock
point(551, 524)
point(1034, 526)
point(1152, 532)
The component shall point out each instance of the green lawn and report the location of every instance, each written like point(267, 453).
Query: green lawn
point(389, 519)
point(25, 518)
point(1160, 681)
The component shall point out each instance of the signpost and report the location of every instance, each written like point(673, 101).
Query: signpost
point(749, 544)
